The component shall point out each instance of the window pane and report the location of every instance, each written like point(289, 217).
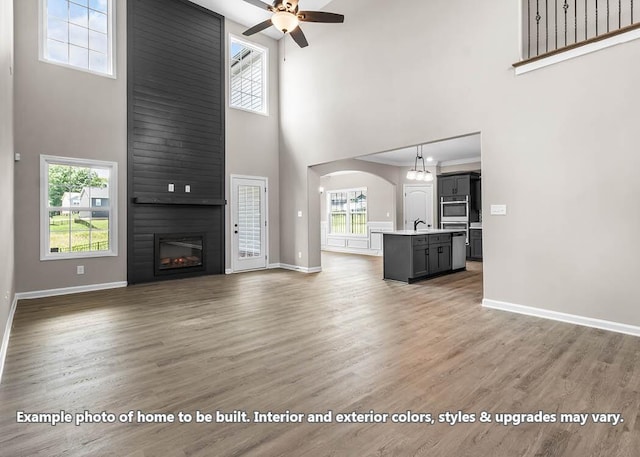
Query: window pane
point(78, 57)
point(98, 62)
point(100, 5)
point(98, 22)
point(58, 8)
point(78, 35)
point(58, 183)
point(81, 224)
point(78, 15)
point(249, 221)
point(81, 2)
point(247, 77)
point(98, 42)
point(59, 230)
point(57, 30)
point(80, 237)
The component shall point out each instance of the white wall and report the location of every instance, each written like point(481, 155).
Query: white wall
point(65, 112)
point(61, 111)
point(252, 143)
point(7, 284)
point(387, 78)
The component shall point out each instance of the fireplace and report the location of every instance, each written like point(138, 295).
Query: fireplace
point(179, 253)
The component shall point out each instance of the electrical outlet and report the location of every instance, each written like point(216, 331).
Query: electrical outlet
point(187, 188)
point(299, 254)
point(172, 187)
point(299, 213)
point(80, 269)
point(17, 157)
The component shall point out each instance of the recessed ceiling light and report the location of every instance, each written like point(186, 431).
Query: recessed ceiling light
point(429, 159)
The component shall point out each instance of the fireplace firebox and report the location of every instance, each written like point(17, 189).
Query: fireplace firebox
point(179, 253)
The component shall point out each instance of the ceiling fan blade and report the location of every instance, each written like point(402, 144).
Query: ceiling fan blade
point(298, 36)
point(320, 16)
point(258, 28)
point(259, 4)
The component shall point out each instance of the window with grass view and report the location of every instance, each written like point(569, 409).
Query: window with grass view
point(348, 212)
point(78, 33)
point(78, 208)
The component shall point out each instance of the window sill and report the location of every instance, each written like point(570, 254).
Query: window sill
point(79, 255)
point(623, 35)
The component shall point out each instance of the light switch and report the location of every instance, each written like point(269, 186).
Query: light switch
point(299, 213)
point(187, 188)
point(80, 269)
point(498, 210)
point(172, 187)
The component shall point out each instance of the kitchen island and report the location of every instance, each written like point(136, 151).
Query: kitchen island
point(411, 256)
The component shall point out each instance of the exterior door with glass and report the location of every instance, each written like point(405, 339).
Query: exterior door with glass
point(249, 223)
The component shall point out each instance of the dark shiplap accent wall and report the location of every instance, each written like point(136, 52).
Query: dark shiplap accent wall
point(175, 129)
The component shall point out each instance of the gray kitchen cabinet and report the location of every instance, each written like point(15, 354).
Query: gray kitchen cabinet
point(440, 254)
point(475, 244)
point(420, 261)
point(412, 256)
point(456, 185)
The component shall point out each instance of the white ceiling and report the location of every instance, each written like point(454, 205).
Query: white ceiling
point(246, 14)
point(465, 149)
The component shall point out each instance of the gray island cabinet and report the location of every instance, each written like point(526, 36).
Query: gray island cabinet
point(411, 256)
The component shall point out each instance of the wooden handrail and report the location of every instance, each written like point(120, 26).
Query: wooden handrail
point(604, 36)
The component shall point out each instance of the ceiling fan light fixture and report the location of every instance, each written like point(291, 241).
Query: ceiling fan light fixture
point(285, 21)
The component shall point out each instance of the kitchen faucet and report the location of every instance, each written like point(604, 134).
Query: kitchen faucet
point(416, 222)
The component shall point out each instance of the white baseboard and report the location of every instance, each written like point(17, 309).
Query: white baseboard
point(371, 252)
point(562, 317)
point(7, 331)
point(69, 290)
point(228, 271)
point(273, 266)
point(285, 266)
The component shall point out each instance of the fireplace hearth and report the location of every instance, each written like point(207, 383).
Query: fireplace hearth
point(179, 253)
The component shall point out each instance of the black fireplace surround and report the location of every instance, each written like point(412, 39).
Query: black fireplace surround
point(175, 97)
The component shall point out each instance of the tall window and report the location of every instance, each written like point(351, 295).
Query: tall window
point(78, 208)
point(247, 76)
point(348, 212)
point(78, 33)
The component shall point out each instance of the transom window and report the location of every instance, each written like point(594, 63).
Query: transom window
point(78, 208)
point(247, 76)
point(348, 212)
point(78, 33)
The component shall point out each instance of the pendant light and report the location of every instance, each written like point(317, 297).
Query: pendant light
point(419, 175)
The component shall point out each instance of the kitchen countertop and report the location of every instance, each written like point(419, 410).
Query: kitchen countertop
point(418, 232)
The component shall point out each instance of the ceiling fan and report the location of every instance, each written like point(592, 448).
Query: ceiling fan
point(287, 17)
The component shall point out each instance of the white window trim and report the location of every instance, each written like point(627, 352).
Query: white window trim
point(265, 69)
point(345, 235)
point(44, 207)
point(111, 41)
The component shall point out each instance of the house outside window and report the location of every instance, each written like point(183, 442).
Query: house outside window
point(247, 76)
point(78, 34)
point(78, 208)
point(347, 210)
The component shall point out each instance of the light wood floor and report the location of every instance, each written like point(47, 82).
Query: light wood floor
point(342, 340)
